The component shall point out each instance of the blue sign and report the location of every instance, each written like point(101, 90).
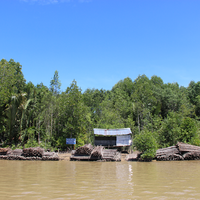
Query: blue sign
point(70, 140)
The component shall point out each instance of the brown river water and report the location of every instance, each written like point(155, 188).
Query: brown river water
point(99, 180)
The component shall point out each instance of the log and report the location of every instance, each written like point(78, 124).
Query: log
point(192, 155)
point(182, 147)
point(167, 151)
point(97, 152)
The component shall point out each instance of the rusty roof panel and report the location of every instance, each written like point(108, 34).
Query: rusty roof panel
point(105, 132)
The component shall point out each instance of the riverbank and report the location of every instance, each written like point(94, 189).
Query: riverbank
point(66, 156)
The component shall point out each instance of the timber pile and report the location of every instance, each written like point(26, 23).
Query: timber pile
point(3, 151)
point(190, 152)
point(17, 152)
point(111, 155)
point(97, 153)
point(82, 153)
point(28, 154)
point(12, 157)
point(181, 151)
point(33, 152)
point(50, 156)
point(169, 153)
point(192, 155)
point(89, 153)
point(84, 150)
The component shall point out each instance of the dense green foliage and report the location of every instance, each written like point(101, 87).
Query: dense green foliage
point(146, 143)
point(158, 114)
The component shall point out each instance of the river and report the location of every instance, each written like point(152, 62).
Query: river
point(99, 180)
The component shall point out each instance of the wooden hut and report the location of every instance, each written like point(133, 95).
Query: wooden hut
point(113, 137)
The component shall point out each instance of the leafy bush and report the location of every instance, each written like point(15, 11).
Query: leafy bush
point(31, 143)
point(146, 143)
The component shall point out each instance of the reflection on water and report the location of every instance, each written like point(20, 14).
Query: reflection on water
point(99, 180)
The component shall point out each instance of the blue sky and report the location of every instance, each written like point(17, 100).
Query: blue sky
point(100, 42)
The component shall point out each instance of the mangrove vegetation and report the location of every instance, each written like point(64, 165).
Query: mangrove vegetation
point(159, 114)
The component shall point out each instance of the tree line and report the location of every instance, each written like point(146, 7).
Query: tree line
point(159, 114)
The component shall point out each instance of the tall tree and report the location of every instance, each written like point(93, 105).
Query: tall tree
point(55, 84)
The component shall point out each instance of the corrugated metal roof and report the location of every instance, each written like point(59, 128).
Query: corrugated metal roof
point(122, 131)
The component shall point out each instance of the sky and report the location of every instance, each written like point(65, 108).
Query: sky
point(97, 43)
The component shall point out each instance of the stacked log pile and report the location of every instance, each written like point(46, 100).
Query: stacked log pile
point(181, 151)
point(82, 153)
point(111, 155)
point(3, 151)
point(89, 153)
point(169, 153)
point(17, 152)
point(29, 154)
point(97, 153)
point(189, 152)
point(50, 156)
point(33, 152)
point(84, 150)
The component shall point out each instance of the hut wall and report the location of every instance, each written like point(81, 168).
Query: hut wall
point(123, 140)
point(105, 141)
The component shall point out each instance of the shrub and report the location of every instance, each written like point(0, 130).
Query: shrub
point(146, 143)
